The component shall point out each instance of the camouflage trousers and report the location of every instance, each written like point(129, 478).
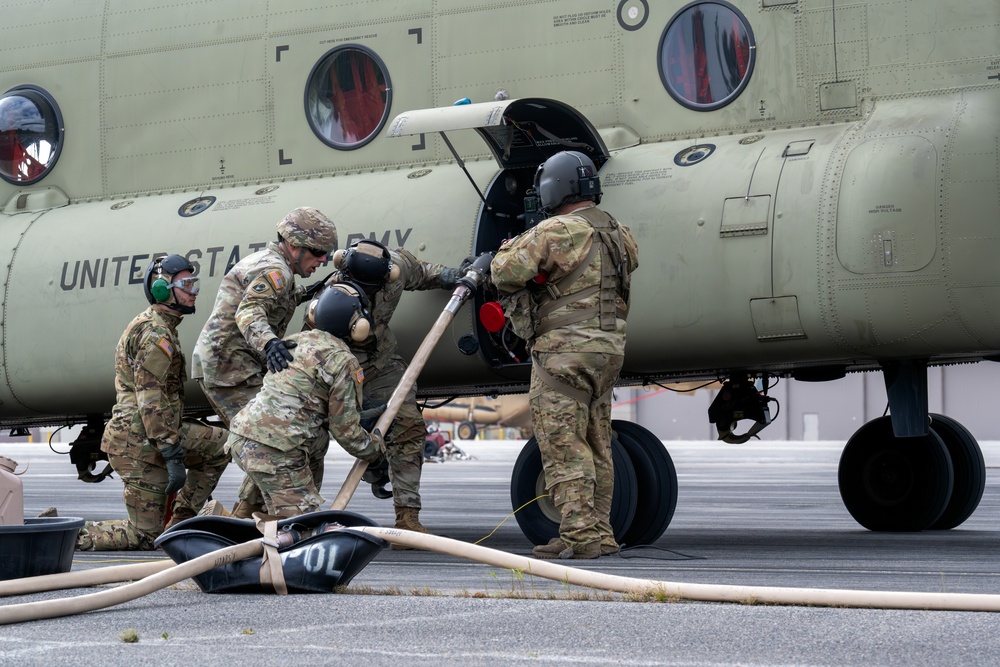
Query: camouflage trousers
point(575, 440)
point(145, 497)
point(227, 401)
point(289, 481)
point(405, 449)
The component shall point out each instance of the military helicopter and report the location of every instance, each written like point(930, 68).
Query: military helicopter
point(813, 186)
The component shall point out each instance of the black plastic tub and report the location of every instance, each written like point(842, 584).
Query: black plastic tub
point(43, 545)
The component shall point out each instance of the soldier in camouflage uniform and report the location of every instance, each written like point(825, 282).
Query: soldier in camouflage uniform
point(153, 451)
point(273, 438)
point(577, 264)
point(243, 336)
point(384, 275)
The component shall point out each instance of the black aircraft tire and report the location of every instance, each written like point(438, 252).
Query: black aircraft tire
point(970, 472)
point(656, 478)
point(430, 449)
point(526, 481)
point(894, 484)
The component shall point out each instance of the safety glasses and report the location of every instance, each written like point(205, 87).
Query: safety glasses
point(187, 285)
point(316, 252)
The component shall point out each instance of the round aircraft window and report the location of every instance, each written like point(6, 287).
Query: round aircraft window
point(31, 135)
point(706, 55)
point(348, 97)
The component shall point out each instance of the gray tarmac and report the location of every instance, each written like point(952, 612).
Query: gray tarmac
point(759, 514)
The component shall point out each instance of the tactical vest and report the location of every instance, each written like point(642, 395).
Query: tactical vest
point(615, 281)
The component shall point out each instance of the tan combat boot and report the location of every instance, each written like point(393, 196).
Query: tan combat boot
point(244, 510)
point(179, 514)
point(556, 548)
point(214, 508)
point(407, 519)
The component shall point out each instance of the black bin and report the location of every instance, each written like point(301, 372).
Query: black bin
point(43, 545)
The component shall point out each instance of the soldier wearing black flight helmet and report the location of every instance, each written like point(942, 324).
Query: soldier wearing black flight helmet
point(384, 275)
point(575, 329)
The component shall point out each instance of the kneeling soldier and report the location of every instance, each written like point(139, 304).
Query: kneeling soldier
point(277, 438)
point(148, 445)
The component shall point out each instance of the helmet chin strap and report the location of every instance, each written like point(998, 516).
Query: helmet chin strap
point(295, 260)
point(175, 305)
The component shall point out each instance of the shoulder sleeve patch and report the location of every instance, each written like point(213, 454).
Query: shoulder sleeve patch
point(360, 376)
point(165, 345)
point(276, 279)
point(261, 286)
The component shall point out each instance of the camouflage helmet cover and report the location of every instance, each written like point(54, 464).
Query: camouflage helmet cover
point(307, 227)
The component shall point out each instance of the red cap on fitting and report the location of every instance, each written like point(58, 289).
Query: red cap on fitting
point(491, 315)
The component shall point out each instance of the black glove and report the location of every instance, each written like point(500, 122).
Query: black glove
point(377, 473)
point(449, 278)
point(176, 474)
point(370, 412)
point(277, 354)
point(466, 263)
point(313, 290)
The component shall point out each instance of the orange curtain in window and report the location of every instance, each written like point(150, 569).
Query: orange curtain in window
point(356, 95)
point(741, 49)
point(16, 161)
point(704, 94)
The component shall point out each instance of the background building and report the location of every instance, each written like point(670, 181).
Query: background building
point(820, 411)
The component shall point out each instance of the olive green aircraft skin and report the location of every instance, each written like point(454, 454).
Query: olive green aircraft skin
point(846, 214)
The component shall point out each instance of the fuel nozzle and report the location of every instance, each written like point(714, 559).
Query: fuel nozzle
point(477, 272)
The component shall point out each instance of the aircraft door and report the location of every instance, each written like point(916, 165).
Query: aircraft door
point(521, 134)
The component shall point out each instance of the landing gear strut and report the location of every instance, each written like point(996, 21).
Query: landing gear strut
point(85, 452)
point(739, 399)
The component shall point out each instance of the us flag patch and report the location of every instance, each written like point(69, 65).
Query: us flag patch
point(360, 376)
point(165, 345)
point(276, 279)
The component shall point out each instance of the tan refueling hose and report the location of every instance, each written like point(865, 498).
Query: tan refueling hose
point(474, 276)
point(33, 611)
point(813, 597)
point(82, 578)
